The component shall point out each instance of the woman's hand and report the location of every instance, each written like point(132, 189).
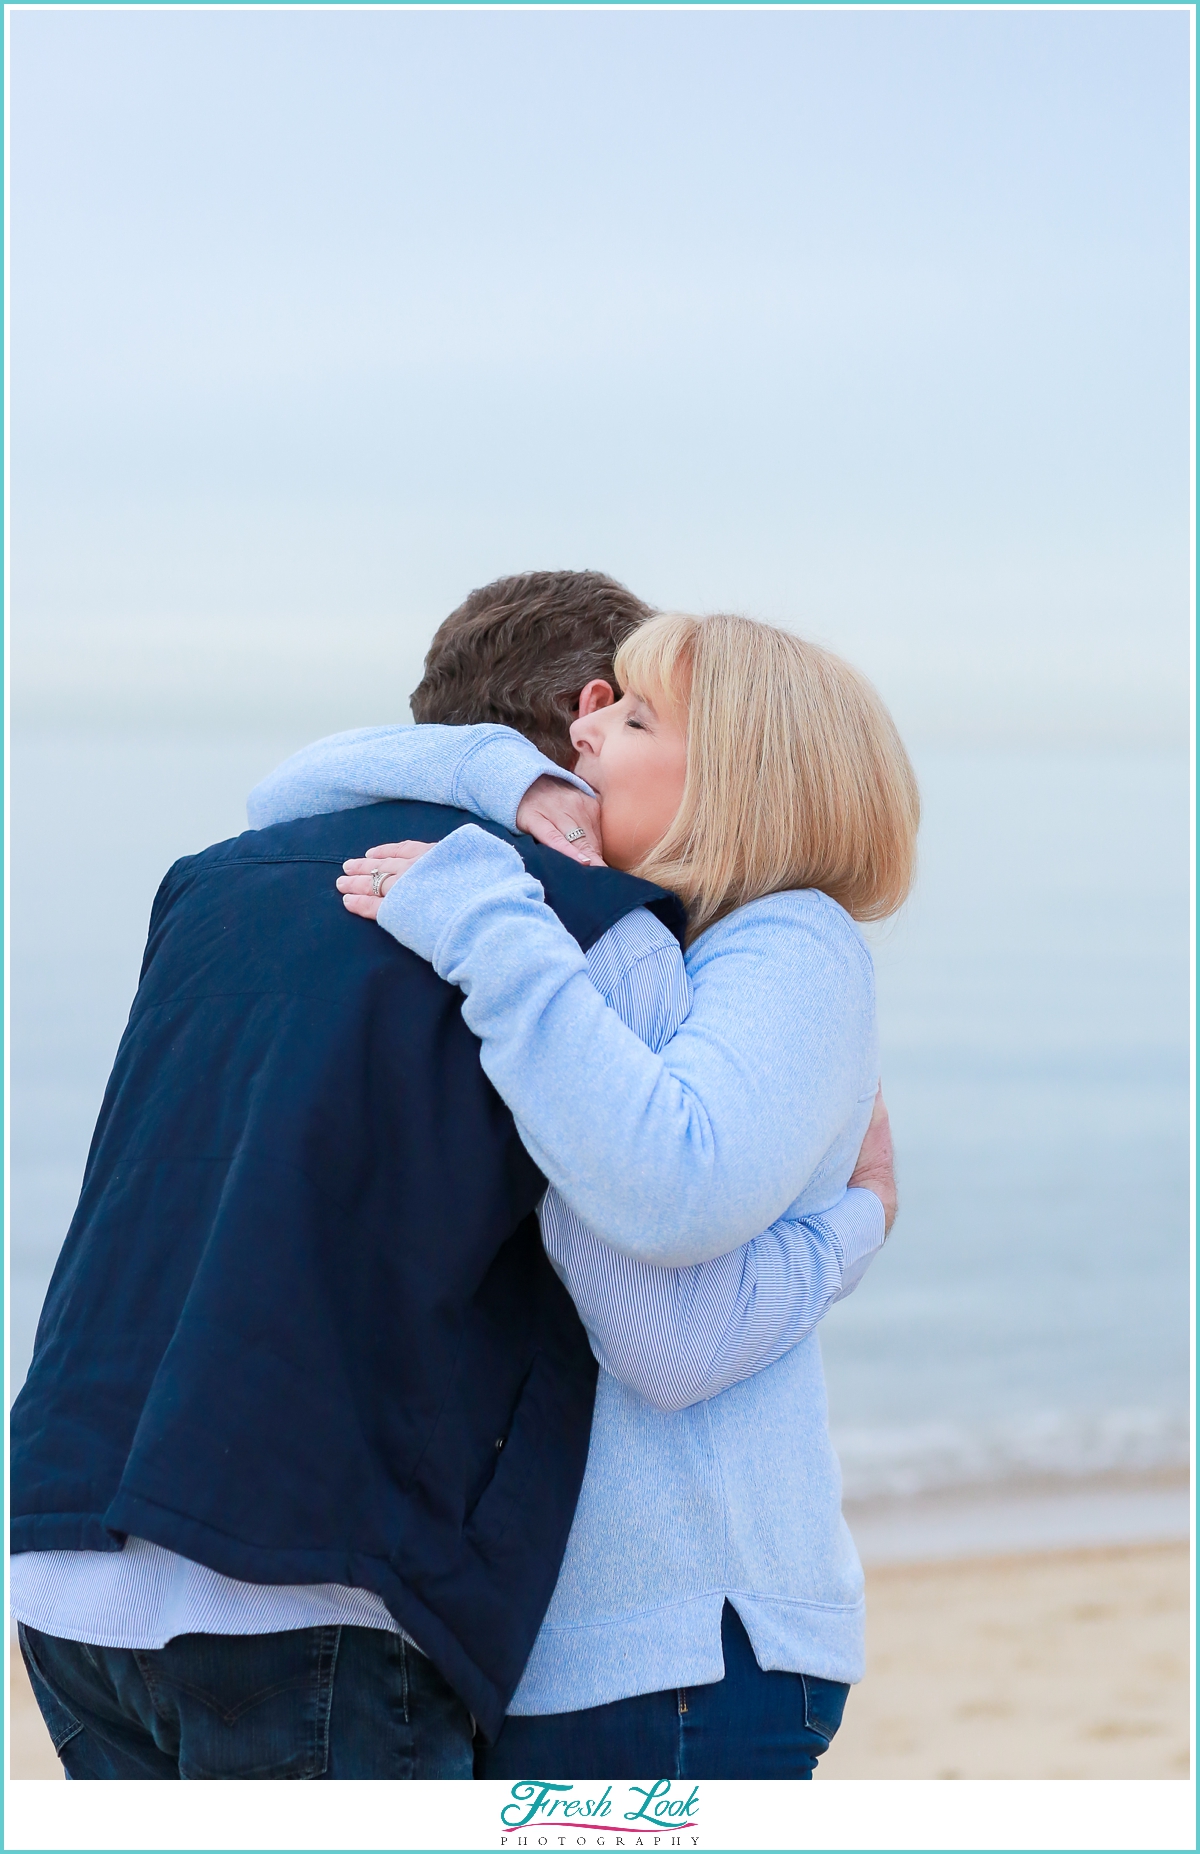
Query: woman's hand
point(368, 878)
point(562, 817)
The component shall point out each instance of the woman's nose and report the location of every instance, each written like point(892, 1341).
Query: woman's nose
point(583, 734)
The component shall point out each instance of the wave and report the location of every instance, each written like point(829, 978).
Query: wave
point(1049, 1444)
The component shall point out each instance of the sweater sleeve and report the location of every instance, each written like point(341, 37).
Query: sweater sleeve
point(678, 1336)
point(483, 769)
point(673, 1156)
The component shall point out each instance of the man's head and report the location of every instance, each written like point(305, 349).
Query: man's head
point(520, 650)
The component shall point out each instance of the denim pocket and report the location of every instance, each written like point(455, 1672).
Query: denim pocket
point(249, 1706)
point(824, 1704)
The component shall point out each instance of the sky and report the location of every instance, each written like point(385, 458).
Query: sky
point(870, 323)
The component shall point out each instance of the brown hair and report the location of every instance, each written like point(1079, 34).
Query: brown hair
point(796, 776)
point(520, 650)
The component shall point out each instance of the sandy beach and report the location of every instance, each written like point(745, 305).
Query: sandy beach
point(1055, 1664)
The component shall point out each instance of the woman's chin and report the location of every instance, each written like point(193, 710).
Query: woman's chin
point(626, 849)
point(616, 851)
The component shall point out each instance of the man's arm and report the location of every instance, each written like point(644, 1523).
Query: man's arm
point(679, 1335)
point(875, 1167)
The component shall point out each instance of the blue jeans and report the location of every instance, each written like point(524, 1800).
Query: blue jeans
point(750, 1724)
point(330, 1703)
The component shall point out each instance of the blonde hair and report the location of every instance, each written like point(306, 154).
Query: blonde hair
point(796, 776)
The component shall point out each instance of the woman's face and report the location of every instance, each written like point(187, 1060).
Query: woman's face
point(635, 756)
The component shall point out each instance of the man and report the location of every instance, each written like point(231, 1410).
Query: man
point(305, 1392)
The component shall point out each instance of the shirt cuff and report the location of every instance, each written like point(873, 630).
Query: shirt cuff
point(855, 1228)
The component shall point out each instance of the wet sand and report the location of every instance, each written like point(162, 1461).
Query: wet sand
point(1058, 1664)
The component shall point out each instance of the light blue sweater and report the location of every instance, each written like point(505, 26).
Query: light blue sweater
point(754, 1109)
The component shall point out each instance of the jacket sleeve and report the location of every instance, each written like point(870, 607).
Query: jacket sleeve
point(679, 1155)
point(484, 769)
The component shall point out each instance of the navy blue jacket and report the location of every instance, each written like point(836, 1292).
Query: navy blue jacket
point(302, 1328)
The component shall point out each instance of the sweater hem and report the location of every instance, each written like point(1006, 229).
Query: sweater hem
point(579, 1665)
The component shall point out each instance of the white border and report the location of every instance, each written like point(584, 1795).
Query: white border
point(1192, 988)
point(846, 1815)
point(917, 1815)
point(5, 1079)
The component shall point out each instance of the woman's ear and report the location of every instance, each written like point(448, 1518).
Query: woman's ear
point(594, 695)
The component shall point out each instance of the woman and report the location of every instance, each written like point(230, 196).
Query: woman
point(762, 780)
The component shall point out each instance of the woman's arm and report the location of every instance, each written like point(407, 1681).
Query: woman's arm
point(483, 769)
point(676, 1157)
point(679, 1335)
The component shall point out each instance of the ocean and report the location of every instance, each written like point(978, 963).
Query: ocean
point(1029, 1317)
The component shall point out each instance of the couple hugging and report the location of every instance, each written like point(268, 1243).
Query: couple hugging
point(429, 1383)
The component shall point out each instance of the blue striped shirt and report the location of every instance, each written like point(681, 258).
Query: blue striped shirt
point(672, 1336)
